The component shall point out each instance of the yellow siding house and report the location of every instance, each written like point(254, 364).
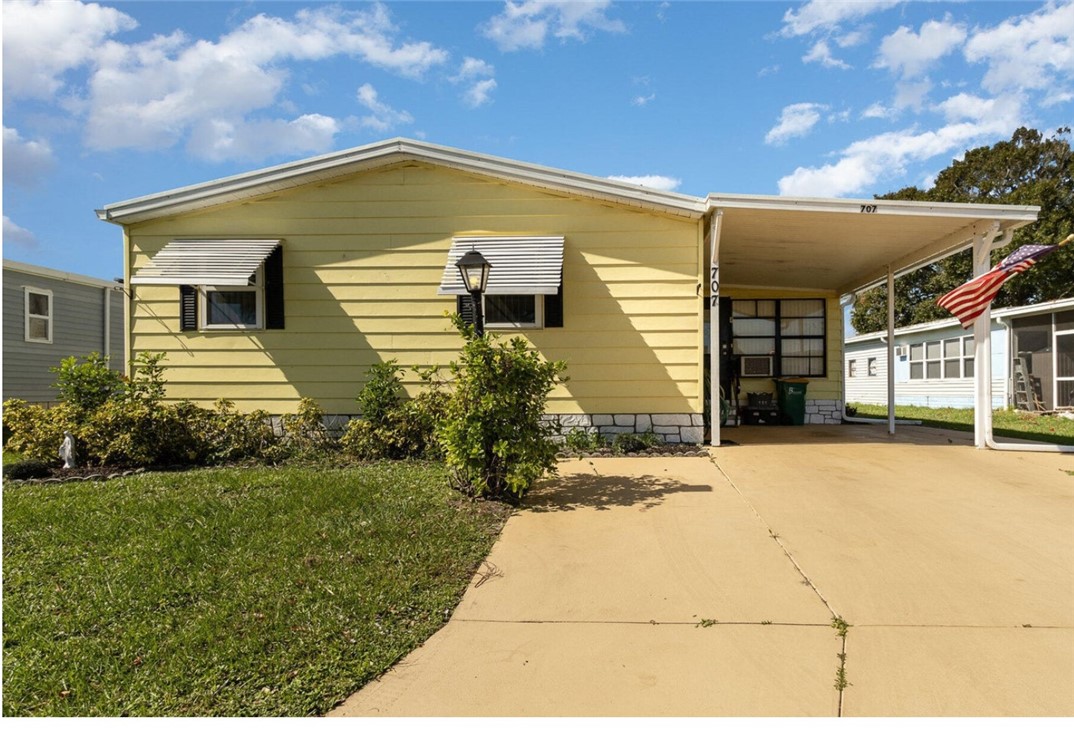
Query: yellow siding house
point(289, 282)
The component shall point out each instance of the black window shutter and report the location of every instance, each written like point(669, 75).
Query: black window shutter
point(188, 307)
point(464, 306)
point(274, 290)
point(553, 309)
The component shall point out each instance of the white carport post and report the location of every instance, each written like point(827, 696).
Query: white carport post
point(891, 350)
point(715, 228)
point(982, 342)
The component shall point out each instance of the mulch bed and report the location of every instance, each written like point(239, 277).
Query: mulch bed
point(662, 450)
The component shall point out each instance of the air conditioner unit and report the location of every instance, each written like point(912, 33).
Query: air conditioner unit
point(901, 351)
point(755, 366)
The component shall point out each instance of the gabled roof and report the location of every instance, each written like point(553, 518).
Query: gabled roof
point(379, 154)
point(40, 271)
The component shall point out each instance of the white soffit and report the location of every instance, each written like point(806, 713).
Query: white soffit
point(843, 245)
point(520, 264)
point(213, 262)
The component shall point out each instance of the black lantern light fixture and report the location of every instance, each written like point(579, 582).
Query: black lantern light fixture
point(475, 277)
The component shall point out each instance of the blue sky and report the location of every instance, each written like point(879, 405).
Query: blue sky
point(109, 101)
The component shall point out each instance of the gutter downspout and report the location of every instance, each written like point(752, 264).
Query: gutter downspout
point(715, 229)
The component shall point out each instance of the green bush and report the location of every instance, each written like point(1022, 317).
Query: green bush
point(494, 439)
point(304, 432)
point(393, 427)
point(234, 436)
point(629, 442)
point(37, 431)
point(579, 440)
point(27, 469)
point(87, 383)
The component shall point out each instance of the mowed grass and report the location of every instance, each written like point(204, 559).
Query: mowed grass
point(271, 592)
point(1005, 423)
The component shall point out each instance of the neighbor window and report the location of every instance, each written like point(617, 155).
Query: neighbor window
point(872, 367)
point(946, 359)
point(38, 320)
point(852, 369)
point(791, 330)
point(230, 308)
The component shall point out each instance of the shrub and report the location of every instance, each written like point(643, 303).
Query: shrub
point(579, 440)
point(37, 431)
point(629, 442)
point(494, 439)
point(304, 433)
point(235, 436)
point(86, 383)
point(28, 469)
point(394, 428)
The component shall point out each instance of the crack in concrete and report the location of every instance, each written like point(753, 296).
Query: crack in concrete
point(841, 682)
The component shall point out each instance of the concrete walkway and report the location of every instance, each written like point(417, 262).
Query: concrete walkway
point(697, 587)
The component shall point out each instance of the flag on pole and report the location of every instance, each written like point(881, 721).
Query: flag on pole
point(968, 301)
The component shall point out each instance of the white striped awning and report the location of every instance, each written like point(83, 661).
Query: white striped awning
point(212, 262)
point(520, 264)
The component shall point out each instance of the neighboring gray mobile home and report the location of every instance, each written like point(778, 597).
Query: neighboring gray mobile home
point(50, 315)
point(1032, 361)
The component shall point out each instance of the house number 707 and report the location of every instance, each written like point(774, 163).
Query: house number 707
point(868, 208)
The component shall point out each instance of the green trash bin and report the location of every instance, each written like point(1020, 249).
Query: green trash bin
point(791, 394)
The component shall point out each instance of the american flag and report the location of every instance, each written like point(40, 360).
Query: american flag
point(968, 301)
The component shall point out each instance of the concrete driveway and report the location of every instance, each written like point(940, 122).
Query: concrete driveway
point(693, 586)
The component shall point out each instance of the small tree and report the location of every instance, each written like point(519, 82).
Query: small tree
point(494, 439)
point(86, 383)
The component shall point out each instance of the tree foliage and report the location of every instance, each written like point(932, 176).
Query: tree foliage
point(1029, 170)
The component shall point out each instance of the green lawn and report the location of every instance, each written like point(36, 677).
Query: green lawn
point(228, 592)
point(1010, 424)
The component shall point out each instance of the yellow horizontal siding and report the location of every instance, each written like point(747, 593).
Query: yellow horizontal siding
point(363, 257)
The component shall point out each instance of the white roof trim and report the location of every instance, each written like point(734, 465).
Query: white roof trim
point(874, 207)
point(336, 164)
point(216, 262)
point(18, 266)
point(520, 264)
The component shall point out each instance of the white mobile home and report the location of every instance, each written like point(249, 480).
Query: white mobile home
point(1032, 361)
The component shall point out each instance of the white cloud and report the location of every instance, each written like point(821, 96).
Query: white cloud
point(26, 162)
point(877, 111)
point(912, 94)
point(479, 93)
point(159, 92)
point(796, 120)
point(825, 15)
point(867, 162)
point(527, 24)
point(15, 234)
point(658, 182)
point(252, 140)
point(478, 76)
point(1028, 52)
point(822, 54)
point(641, 100)
point(383, 117)
point(42, 40)
point(911, 54)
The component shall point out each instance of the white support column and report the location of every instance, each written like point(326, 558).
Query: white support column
point(982, 343)
point(891, 350)
point(715, 229)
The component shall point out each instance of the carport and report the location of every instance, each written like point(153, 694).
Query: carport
point(847, 246)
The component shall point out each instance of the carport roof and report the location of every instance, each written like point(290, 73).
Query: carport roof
point(841, 244)
point(836, 245)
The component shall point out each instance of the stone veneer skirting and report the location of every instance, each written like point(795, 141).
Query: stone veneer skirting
point(673, 428)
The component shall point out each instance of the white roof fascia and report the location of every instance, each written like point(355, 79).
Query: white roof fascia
point(337, 164)
point(874, 207)
point(18, 266)
point(1019, 311)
